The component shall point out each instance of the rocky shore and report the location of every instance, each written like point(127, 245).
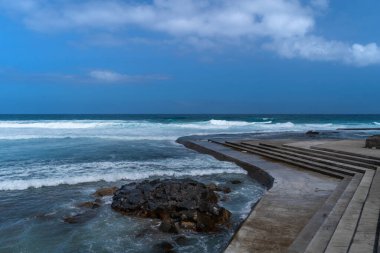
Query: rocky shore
point(181, 204)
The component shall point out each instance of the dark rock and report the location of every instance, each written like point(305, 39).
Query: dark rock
point(168, 226)
point(80, 217)
point(164, 247)
point(235, 181)
point(226, 189)
point(179, 203)
point(213, 187)
point(373, 142)
point(105, 192)
point(90, 204)
point(189, 225)
point(312, 133)
point(182, 240)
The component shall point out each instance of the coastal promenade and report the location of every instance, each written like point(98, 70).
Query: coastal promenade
point(323, 195)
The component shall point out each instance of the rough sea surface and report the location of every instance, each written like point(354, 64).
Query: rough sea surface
point(50, 163)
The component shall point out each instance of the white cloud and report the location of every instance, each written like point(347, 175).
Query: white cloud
point(320, 4)
point(287, 24)
point(278, 18)
point(317, 48)
point(108, 76)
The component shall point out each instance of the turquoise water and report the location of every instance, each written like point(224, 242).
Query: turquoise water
point(50, 163)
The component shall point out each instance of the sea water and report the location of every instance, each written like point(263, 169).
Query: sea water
point(50, 163)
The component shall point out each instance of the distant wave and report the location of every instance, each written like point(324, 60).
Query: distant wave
point(148, 130)
point(54, 124)
point(376, 123)
point(121, 137)
point(235, 123)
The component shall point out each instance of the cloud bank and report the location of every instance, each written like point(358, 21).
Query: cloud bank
point(283, 26)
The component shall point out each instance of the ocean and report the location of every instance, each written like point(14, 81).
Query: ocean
point(50, 163)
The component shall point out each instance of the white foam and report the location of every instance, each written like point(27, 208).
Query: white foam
point(39, 182)
point(226, 123)
point(146, 130)
point(376, 123)
point(38, 175)
point(61, 124)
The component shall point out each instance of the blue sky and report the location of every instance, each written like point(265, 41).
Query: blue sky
point(189, 56)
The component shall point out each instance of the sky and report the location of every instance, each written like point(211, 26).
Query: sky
point(189, 56)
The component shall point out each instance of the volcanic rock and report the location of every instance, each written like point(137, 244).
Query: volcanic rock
point(312, 133)
point(109, 191)
point(90, 204)
point(179, 203)
point(373, 142)
point(235, 181)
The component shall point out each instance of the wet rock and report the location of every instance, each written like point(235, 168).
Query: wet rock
point(169, 226)
point(312, 133)
point(179, 203)
point(80, 217)
point(90, 204)
point(235, 181)
point(226, 189)
point(213, 187)
point(217, 188)
point(188, 225)
point(109, 191)
point(165, 247)
point(373, 142)
point(181, 240)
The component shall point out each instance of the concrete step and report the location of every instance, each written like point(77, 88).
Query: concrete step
point(366, 234)
point(315, 236)
point(329, 153)
point(347, 153)
point(307, 158)
point(344, 233)
point(327, 156)
point(352, 223)
point(321, 168)
point(323, 236)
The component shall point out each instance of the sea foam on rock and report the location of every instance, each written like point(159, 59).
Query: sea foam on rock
point(181, 204)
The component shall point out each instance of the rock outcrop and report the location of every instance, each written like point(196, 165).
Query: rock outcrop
point(373, 142)
point(181, 204)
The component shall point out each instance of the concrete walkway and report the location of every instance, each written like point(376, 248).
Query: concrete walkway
point(323, 196)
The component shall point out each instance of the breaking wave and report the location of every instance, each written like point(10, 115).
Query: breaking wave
point(150, 130)
point(21, 177)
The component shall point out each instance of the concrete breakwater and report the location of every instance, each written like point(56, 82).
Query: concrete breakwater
point(323, 194)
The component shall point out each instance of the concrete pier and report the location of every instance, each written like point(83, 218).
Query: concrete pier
point(323, 195)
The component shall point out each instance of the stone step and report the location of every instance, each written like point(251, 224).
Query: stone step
point(323, 156)
point(351, 208)
point(344, 233)
point(321, 168)
point(346, 153)
point(347, 157)
point(323, 236)
point(308, 158)
point(352, 224)
point(315, 236)
point(366, 235)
